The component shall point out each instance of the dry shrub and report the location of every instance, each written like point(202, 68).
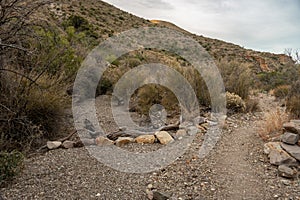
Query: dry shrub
point(235, 103)
point(29, 111)
point(151, 94)
point(282, 91)
point(293, 100)
point(237, 77)
point(272, 124)
point(252, 105)
point(46, 104)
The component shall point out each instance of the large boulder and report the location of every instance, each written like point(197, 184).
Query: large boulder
point(292, 126)
point(278, 156)
point(164, 137)
point(293, 150)
point(121, 141)
point(103, 141)
point(287, 172)
point(290, 138)
point(145, 139)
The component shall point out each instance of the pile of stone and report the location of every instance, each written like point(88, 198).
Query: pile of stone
point(286, 154)
point(167, 135)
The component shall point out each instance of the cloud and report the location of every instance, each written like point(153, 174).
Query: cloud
point(269, 25)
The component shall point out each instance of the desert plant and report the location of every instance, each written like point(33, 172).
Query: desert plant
point(272, 125)
point(11, 165)
point(252, 105)
point(293, 99)
point(282, 91)
point(235, 103)
point(237, 77)
point(152, 94)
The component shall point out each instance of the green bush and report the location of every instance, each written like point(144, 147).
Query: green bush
point(284, 76)
point(11, 165)
point(105, 86)
point(282, 91)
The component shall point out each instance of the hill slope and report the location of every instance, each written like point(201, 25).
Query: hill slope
point(108, 20)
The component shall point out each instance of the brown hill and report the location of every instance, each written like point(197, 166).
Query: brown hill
point(107, 20)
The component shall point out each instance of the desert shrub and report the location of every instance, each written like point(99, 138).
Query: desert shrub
point(29, 112)
point(235, 103)
point(46, 103)
point(284, 76)
point(81, 25)
point(252, 105)
point(272, 125)
point(293, 100)
point(151, 94)
point(282, 91)
point(104, 86)
point(237, 78)
point(11, 165)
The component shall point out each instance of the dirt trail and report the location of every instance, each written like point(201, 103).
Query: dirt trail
point(236, 169)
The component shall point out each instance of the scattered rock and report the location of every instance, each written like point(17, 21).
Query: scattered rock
point(145, 139)
point(160, 196)
point(293, 150)
point(290, 138)
point(164, 137)
point(53, 144)
point(68, 144)
point(88, 142)
point(287, 172)
point(277, 155)
point(103, 141)
point(292, 127)
point(123, 140)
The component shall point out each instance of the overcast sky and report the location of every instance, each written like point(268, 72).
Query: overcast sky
point(264, 25)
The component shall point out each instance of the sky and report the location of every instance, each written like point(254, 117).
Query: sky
point(263, 25)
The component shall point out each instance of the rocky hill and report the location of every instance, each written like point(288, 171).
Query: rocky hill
point(107, 20)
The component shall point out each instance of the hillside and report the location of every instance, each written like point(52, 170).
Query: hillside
point(258, 61)
point(108, 20)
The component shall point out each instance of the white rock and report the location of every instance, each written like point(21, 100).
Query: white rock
point(103, 141)
point(68, 144)
point(88, 141)
point(145, 139)
point(164, 137)
point(180, 133)
point(53, 144)
point(123, 140)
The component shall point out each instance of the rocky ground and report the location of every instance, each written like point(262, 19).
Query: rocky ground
point(236, 169)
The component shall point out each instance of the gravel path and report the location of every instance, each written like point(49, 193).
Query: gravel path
point(235, 169)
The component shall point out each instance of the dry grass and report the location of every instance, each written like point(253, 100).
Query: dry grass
point(272, 125)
